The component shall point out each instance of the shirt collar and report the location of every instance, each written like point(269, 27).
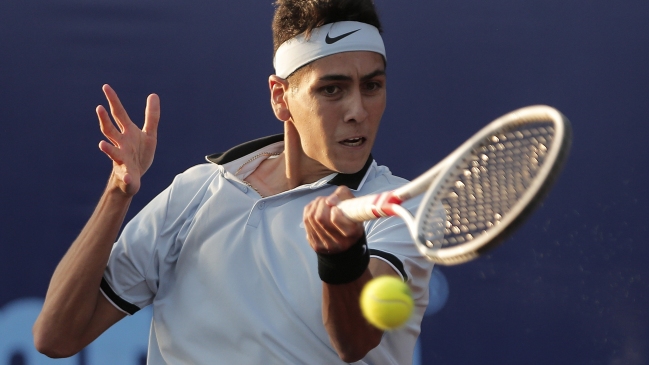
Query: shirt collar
point(352, 181)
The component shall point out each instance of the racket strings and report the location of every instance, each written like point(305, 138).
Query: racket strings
point(486, 184)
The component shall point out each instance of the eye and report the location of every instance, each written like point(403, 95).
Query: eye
point(330, 89)
point(373, 86)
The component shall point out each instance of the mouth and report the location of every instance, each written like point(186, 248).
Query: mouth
point(353, 142)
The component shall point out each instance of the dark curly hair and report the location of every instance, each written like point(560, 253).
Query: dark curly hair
point(293, 17)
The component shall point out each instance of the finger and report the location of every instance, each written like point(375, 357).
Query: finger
point(332, 200)
point(152, 115)
point(347, 227)
point(314, 237)
point(321, 238)
point(106, 125)
point(111, 151)
point(343, 230)
point(321, 242)
point(316, 242)
point(324, 224)
point(341, 193)
point(324, 227)
point(116, 108)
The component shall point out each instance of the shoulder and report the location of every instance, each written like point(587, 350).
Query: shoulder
point(192, 183)
point(379, 178)
point(198, 175)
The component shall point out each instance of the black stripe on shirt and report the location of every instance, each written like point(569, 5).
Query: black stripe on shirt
point(391, 259)
point(352, 181)
point(121, 303)
point(243, 149)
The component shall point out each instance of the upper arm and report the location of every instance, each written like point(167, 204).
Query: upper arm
point(379, 267)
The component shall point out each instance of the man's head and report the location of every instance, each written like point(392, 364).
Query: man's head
point(329, 86)
point(295, 17)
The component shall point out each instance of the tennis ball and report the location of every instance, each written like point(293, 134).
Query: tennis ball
point(386, 302)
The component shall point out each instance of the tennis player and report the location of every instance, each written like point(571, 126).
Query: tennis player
point(245, 259)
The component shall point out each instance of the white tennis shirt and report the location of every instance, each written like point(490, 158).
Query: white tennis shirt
point(231, 276)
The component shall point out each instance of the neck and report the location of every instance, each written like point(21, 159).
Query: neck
point(289, 170)
point(299, 168)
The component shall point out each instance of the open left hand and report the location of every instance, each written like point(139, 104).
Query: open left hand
point(130, 148)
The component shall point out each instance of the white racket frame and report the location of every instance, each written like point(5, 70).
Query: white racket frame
point(388, 203)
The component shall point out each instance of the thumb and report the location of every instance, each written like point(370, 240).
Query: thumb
point(332, 200)
point(342, 193)
point(152, 115)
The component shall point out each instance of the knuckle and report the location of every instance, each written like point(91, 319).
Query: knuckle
point(321, 218)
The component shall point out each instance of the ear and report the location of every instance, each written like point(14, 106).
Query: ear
point(278, 91)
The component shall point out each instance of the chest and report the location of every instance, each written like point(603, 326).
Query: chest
point(253, 249)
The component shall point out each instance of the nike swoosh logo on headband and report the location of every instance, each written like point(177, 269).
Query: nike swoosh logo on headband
point(333, 40)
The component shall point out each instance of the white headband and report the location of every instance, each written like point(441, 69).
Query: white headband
point(324, 41)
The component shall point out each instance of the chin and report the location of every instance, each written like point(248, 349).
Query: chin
point(349, 167)
point(346, 161)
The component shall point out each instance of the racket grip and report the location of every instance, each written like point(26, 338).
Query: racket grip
point(363, 208)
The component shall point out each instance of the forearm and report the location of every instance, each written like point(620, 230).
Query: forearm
point(344, 266)
point(72, 295)
point(350, 334)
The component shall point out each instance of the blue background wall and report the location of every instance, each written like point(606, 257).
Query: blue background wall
point(570, 287)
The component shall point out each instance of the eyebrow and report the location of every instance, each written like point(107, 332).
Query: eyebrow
point(348, 78)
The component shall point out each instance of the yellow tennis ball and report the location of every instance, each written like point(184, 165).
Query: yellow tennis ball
point(386, 302)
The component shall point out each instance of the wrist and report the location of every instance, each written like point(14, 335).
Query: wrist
point(116, 189)
point(344, 267)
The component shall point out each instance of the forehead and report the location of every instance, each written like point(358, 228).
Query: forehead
point(351, 64)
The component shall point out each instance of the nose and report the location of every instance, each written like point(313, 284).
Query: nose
point(356, 111)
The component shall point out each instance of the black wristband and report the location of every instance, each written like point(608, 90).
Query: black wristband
point(344, 267)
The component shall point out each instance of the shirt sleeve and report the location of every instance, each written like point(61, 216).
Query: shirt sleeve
point(389, 240)
point(150, 243)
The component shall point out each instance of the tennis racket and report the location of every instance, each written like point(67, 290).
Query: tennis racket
point(479, 194)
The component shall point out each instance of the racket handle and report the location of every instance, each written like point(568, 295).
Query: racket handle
point(365, 208)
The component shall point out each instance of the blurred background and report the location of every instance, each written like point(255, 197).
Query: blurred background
point(570, 287)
